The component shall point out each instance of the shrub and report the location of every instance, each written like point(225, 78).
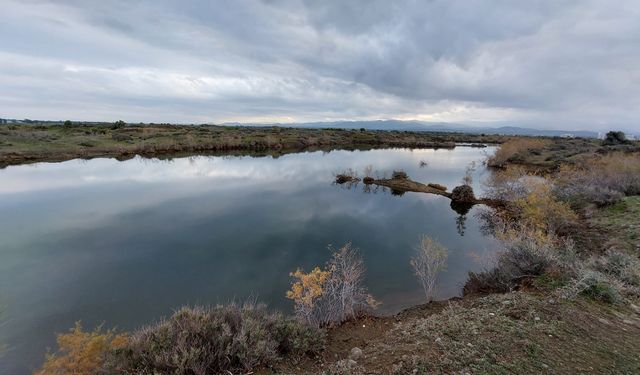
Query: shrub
point(462, 193)
point(468, 174)
point(614, 138)
point(596, 286)
point(335, 294)
point(622, 266)
point(601, 180)
point(348, 175)
point(118, 124)
point(223, 339)
point(524, 254)
point(541, 210)
point(81, 352)
point(67, 123)
point(429, 261)
point(512, 147)
point(400, 175)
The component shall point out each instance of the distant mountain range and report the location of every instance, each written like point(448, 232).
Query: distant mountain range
point(433, 127)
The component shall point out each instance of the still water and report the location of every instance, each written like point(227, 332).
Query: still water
point(124, 243)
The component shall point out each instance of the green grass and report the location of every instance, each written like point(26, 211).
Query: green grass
point(621, 222)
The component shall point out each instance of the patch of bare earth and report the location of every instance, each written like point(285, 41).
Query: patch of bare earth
point(512, 333)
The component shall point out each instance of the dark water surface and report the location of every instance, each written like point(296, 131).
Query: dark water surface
point(124, 243)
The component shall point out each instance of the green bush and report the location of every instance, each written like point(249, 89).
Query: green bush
point(614, 138)
point(223, 339)
point(118, 124)
point(598, 289)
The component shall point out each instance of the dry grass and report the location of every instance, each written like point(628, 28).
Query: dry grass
point(514, 146)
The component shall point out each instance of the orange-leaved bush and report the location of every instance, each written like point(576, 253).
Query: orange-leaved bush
point(81, 352)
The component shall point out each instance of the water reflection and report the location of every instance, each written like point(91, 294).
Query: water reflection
point(126, 242)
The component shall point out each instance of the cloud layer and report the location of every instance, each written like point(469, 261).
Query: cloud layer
point(551, 64)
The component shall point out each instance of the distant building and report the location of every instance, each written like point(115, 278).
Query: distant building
point(567, 135)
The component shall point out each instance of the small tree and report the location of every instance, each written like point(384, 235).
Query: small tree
point(429, 261)
point(118, 124)
point(67, 123)
point(614, 138)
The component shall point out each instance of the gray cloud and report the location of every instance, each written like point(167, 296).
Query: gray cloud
point(563, 64)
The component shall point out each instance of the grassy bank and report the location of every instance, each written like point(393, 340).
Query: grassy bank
point(24, 143)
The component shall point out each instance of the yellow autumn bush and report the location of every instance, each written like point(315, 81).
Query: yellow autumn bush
point(308, 287)
point(333, 294)
point(540, 210)
point(81, 352)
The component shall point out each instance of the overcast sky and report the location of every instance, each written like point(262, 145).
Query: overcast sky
point(548, 64)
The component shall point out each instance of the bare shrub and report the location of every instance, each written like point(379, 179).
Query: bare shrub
point(335, 294)
point(368, 171)
point(512, 147)
point(468, 174)
point(601, 180)
point(508, 184)
point(429, 261)
point(524, 253)
point(223, 339)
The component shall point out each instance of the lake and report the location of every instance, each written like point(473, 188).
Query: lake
point(126, 242)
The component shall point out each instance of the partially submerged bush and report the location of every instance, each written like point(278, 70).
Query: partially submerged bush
point(223, 339)
point(463, 193)
point(429, 261)
point(402, 175)
point(348, 175)
point(335, 294)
